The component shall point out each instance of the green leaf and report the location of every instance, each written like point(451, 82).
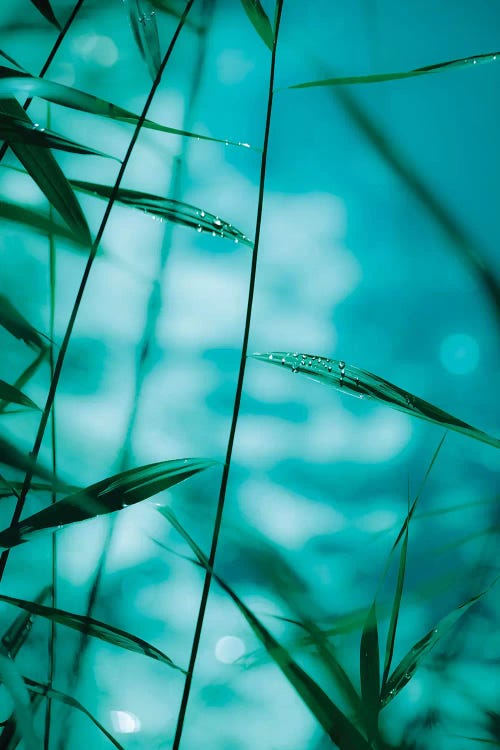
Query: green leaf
point(15, 130)
point(23, 713)
point(369, 669)
point(17, 325)
point(391, 634)
point(35, 487)
point(45, 9)
point(37, 220)
point(338, 727)
point(463, 62)
point(109, 495)
point(362, 384)
point(168, 209)
point(260, 21)
point(409, 664)
point(145, 30)
point(40, 689)
point(45, 171)
point(28, 373)
point(23, 84)
point(15, 396)
point(92, 627)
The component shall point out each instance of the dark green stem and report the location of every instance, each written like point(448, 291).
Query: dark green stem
point(93, 252)
point(237, 401)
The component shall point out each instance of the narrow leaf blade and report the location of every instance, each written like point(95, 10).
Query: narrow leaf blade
point(107, 496)
point(409, 664)
point(463, 62)
point(362, 384)
point(17, 325)
point(369, 663)
point(15, 396)
point(44, 7)
point(260, 21)
point(168, 209)
point(93, 627)
point(145, 30)
point(45, 171)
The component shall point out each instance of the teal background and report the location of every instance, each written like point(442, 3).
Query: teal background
point(351, 266)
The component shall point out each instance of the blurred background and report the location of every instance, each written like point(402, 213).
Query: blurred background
point(372, 194)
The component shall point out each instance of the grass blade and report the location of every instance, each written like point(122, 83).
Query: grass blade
point(464, 62)
point(391, 634)
point(107, 496)
point(168, 209)
point(260, 21)
point(15, 396)
point(45, 171)
point(409, 664)
point(12, 456)
point(15, 82)
point(46, 10)
point(15, 130)
point(170, 9)
point(17, 325)
point(334, 722)
point(40, 689)
point(145, 30)
point(27, 374)
point(369, 670)
point(362, 384)
point(95, 628)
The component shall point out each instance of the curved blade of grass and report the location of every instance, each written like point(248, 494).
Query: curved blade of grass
point(362, 384)
point(145, 30)
point(369, 670)
point(391, 634)
point(260, 21)
point(10, 59)
point(44, 7)
point(409, 664)
point(11, 678)
point(15, 130)
point(167, 208)
point(21, 83)
point(15, 396)
point(463, 62)
point(45, 690)
point(46, 172)
point(334, 722)
point(107, 496)
point(15, 487)
point(17, 325)
point(27, 374)
point(95, 628)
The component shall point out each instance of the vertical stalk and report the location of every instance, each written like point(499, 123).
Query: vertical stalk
point(237, 400)
point(76, 306)
point(53, 435)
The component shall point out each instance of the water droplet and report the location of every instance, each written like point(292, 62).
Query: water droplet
point(217, 222)
point(295, 369)
point(475, 61)
point(214, 234)
point(202, 213)
point(270, 356)
point(236, 240)
point(341, 365)
point(283, 361)
point(198, 229)
point(329, 368)
point(124, 505)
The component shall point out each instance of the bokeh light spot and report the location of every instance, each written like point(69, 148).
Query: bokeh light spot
point(459, 354)
point(229, 648)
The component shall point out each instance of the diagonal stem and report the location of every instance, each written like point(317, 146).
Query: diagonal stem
point(237, 401)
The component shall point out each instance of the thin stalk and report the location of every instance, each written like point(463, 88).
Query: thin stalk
point(153, 311)
point(237, 400)
point(76, 306)
point(48, 61)
point(53, 435)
